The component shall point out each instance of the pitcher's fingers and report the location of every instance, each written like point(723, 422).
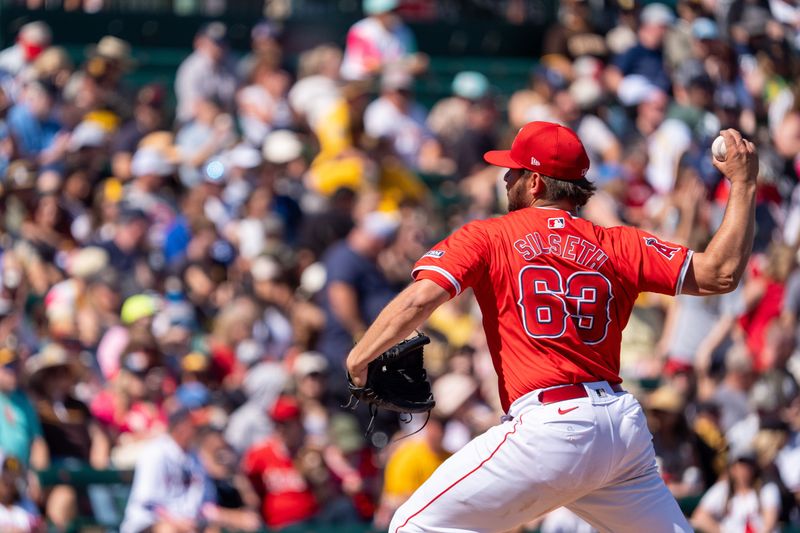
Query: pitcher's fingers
point(733, 139)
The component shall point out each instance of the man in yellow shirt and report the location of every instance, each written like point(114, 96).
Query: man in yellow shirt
point(409, 465)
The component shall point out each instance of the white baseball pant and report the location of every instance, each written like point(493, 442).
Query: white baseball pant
point(593, 455)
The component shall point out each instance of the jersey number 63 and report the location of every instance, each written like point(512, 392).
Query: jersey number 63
point(547, 301)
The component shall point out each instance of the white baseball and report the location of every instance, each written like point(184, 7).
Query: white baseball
point(719, 149)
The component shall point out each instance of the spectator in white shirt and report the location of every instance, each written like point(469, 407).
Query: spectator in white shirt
point(379, 41)
point(32, 40)
point(742, 502)
point(171, 489)
point(207, 73)
point(400, 121)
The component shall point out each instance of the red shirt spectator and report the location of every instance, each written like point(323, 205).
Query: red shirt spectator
point(287, 497)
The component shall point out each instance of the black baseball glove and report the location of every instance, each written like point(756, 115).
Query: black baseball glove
point(396, 379)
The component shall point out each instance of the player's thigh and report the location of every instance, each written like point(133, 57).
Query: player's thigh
point(497, 481)
point(640, 504)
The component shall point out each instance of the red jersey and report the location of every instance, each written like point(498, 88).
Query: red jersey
point(555, 291)
point(287, 497)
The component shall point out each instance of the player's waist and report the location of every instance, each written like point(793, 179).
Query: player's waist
point(597, 391)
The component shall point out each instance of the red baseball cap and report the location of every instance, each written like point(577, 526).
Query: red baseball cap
point(550, 149)
point(285, 409)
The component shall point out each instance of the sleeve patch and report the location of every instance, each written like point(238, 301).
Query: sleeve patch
point(434, 253)
point(667, 251)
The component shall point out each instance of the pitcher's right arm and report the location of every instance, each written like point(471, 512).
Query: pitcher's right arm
point(719, 268)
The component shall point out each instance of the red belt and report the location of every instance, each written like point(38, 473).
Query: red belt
point(569, 392)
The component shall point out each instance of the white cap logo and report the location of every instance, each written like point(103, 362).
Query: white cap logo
point(535, 162)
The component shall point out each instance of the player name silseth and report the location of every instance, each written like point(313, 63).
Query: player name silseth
point(569, 247)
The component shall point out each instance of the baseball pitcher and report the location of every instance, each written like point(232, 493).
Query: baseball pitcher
point(556, 292)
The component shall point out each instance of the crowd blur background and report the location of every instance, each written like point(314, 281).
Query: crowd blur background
point(188, 251)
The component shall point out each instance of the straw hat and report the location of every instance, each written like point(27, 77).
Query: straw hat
point(113, 49)
point(51, 356)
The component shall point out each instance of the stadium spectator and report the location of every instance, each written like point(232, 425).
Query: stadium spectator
point(740, 502)
point(235, 499)
point(646, 57)
point(286, 493)
point(380, 41)
point(33, 38)
point(16, 510)
point(67, 425)
point(251, 424)
point(409, 464)
point(148, 117)
point(356, 289)
point(21, 433)
point(171, 489)
point(681, 455)
point(264, 43)
point(208, 132)
point(207, 73)
point(262, 105)
point(34, 127)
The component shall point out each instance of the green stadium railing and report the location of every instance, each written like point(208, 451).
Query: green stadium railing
point(83, 477)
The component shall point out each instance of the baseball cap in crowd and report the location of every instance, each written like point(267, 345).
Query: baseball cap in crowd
point(452, 391)
point(742, 454)
point(545, 147)
point(635, 89)
point(178, 413)
point(137, 307)
point(151, 162)
point(215, 31)
point(87, 262)
point(249, 352)
point(137, 363)
point(113, 49)
point(265, 29)
point(266, 268)
point(193, 395)
point(587, 92)
point(313, 278)
point(49, 62)
point(243, 156)
point(396, 79)
point(151, 95)
point(470, 85)
point(705, 29)
point(308, 363)
point(281, 147)
point(284, 409)
point(376, 7)
point(667, 399)
point(87, 134)
point(130, 214)
point(50, 356)
point(657, 15)
point(8, 356)
point(222, 252)
point(380, 225)
point(195, 362)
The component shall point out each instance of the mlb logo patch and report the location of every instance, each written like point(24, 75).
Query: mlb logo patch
point(556, 223)
point(434, 253)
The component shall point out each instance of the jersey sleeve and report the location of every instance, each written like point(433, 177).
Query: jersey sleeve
point(456, 262)
point(650, 264)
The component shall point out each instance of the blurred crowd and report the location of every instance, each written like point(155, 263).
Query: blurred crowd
point(184, 269)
